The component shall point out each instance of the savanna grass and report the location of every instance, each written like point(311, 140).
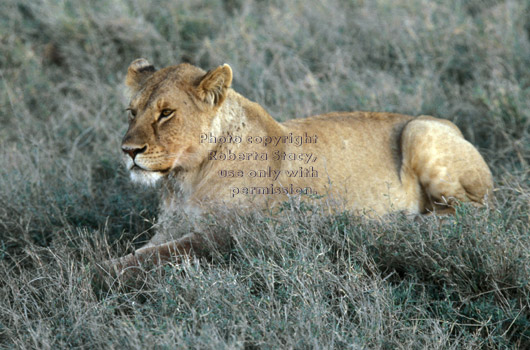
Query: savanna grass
point(302, 279)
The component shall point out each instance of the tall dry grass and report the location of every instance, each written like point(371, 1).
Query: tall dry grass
point(296, 281)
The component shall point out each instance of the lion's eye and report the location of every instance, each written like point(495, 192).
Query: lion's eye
point(165, 113)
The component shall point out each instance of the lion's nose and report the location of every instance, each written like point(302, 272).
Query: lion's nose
point(133, 151)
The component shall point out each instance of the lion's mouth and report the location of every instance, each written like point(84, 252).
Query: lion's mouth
point(136, 168)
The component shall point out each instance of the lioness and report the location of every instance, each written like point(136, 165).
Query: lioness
point(210, 146)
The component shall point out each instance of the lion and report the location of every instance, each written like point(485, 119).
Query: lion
point(210, 147)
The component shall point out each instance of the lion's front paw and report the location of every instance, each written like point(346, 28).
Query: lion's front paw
point(113, 274)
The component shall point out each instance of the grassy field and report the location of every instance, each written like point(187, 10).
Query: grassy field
point(297, 281)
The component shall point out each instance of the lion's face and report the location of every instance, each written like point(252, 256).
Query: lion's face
point(169, 109)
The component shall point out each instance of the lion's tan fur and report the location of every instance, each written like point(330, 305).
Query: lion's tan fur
point(372, 163)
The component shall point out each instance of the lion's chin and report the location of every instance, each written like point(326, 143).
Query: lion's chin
point(149, 178)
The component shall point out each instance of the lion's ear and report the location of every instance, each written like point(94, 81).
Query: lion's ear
point(213, 87)
point(139, 70)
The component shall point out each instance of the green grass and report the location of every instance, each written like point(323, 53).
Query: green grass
point(300, 280)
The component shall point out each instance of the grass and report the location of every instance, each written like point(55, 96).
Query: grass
point(297, 280)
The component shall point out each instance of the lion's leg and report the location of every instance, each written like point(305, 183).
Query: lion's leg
point(447, 167)
point(191, 245)
point(160, 253)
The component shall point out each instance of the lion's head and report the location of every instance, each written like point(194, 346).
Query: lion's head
point(169, 108)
